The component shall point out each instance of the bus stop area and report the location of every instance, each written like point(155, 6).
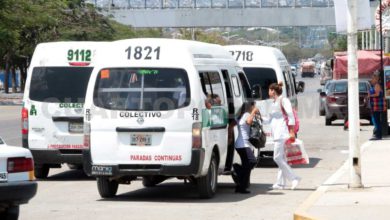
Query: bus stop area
point(335, 200)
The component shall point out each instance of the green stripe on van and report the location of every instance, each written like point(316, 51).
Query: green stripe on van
point(216, 116)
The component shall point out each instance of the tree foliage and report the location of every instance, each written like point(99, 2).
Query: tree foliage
point(26, 23)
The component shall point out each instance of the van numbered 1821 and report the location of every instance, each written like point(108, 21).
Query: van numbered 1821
point(160, 108)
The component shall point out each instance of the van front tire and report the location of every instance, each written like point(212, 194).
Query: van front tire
point(41, 171)
point(107, 188)
point(207, 185)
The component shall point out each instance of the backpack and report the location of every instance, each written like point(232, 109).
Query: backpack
point(257, 136)
point(295, 113)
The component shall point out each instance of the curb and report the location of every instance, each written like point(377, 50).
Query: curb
point(301, 212)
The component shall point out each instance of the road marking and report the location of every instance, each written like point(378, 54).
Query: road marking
point(301, 211)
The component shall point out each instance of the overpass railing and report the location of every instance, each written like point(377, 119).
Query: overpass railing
point(175, 4)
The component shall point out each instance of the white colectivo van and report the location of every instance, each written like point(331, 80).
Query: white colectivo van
point(146, 114)
point(52, 114)
point(262, 66)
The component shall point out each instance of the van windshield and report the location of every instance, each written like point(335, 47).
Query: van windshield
point(132, 89)
point(261, 76)
point(59, 84)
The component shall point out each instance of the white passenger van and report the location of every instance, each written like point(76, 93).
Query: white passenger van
point(52, 113)
point(263, 66)
point(146, 115)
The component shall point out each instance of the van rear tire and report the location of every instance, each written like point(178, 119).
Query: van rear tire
point(328, 121)
point(107, 188)
point(207, 185)
point(10, 213)
point(41, 171)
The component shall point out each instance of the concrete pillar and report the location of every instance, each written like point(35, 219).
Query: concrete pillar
point(362, 43)
point(372, 39)
point(387, 45)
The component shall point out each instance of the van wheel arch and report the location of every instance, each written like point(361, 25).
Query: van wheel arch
point(216, 153)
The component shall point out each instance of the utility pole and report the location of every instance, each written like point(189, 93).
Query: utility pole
point(384, 119)
point(353, 97)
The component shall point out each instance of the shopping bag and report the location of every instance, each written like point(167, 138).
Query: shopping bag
point(295, 152)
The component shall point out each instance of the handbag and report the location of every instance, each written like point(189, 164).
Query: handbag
point(257, 137)
point(295, 152)
point(296, 125)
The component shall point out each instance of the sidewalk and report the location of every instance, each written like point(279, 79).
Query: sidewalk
point(11, 98)
point(333, 200)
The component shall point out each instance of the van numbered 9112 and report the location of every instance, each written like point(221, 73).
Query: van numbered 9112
point(160, 108)
point(52, 113)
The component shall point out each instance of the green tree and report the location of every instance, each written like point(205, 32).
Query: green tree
point(26, 23)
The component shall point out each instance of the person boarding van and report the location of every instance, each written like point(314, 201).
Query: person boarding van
point(52, 113)
point(146, 115)
point(264, 66)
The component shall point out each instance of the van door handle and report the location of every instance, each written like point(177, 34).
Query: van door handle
point(149, 129)
point(67, 119)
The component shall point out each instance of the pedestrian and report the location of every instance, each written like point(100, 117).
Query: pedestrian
point(378, 105)
point(244, 148)
point(281, 132)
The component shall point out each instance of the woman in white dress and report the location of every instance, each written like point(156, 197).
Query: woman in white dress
point(281, 132)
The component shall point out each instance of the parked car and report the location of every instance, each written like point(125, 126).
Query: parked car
point(336, 103)
point(325, 89)
point(294, 71)
point(17, 181)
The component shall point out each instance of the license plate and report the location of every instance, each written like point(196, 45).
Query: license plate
point(101, 170)
point(141, 140)
point(75, 127)
point(3, 177)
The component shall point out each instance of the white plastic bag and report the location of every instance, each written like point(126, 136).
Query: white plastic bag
point(295, 152)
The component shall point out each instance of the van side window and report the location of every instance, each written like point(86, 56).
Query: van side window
point(245, 85)
point(287, 83)
point(212, 87)
point(236, 86)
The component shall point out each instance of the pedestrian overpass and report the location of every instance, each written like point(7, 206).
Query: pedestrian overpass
point(220, 13)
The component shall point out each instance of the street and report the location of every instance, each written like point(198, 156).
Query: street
point(69, 194)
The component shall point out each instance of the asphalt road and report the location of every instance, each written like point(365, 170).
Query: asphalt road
point(68, 194)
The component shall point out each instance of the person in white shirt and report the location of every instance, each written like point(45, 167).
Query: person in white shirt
point(281, 132)
point(244, 148)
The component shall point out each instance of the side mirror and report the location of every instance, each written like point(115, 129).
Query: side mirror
point(319, 90)
point(256, 92)
point(301, 86)
point(322, 94)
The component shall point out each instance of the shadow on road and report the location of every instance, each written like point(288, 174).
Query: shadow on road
point(187, 193)
point(313, 163)
point(69, 175)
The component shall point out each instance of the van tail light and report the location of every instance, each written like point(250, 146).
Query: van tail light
point(197, 135)
point(24, 121)
point(87, 135)
point(19, 164)
point(331, 99)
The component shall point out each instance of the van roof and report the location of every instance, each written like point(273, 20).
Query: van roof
point(172, 52)
point(263, 55)
point(56, 53)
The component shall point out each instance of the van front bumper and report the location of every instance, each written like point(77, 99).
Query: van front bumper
point(193, 169)
point(57, 156)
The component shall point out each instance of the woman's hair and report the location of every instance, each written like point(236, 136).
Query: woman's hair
point(246, 107)
point(277, 87)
